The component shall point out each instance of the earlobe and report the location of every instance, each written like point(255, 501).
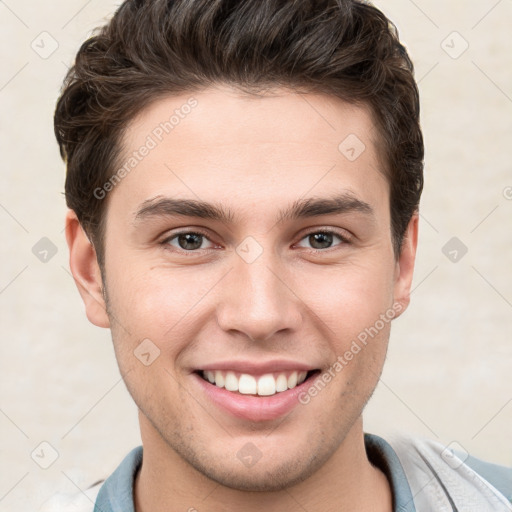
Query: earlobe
point(86, 271)
point(405, 265)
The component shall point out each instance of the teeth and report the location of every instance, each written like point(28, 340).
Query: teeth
point(247, 384)
point(292, 380)
point(231, 382)
point(265, 385)
point(281, 383)
point(219, 379)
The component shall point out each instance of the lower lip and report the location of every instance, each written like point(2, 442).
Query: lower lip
point(254, 408)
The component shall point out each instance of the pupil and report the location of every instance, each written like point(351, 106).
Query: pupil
point(190, 241)
point(324, 239)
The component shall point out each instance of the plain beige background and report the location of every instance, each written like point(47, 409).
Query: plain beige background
point(448, 370)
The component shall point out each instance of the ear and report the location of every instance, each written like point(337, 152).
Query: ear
point(405, 265)
point(86, 271)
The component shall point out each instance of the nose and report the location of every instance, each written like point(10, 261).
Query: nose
point(259, 300)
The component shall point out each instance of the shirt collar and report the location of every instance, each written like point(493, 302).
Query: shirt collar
point(116, 494)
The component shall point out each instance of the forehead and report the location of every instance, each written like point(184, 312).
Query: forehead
point(251, 150)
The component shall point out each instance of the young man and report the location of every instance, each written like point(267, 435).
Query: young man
point(243, 179)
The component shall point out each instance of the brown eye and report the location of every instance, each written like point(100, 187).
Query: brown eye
point(190, 241)
point(187, 241)
point(319, 240)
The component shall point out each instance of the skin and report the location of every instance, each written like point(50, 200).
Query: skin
point(297, 300)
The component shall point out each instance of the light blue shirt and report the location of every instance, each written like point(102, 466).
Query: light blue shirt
point(443, 488)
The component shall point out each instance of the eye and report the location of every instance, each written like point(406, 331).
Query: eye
point(324, 239)
point(187, 241)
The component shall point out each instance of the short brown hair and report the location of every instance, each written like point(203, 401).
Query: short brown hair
point(155, 48)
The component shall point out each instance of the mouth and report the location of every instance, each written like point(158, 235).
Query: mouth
point(257, 385)
point(254, 391)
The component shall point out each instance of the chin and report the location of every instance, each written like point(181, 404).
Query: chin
point(277, 476)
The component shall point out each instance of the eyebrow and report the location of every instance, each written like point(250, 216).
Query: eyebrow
point(302, 208)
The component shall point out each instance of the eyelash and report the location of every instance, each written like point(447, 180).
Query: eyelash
point(344, 240)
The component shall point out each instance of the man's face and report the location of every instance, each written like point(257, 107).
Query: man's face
point(257, 293)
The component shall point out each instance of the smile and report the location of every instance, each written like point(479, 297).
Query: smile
point(256, 393)
point(247, 384)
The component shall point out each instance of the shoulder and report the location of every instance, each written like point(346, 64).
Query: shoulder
point(75, 502)
point(447, 475)
point(498, 476)
point(114, 493)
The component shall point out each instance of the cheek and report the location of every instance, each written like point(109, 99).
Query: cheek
point(167, 305)
point(157, 303)
point(351, 298)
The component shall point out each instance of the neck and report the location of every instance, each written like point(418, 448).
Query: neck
point(346, 482)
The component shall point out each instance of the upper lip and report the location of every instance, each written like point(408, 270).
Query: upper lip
point(256, 368)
